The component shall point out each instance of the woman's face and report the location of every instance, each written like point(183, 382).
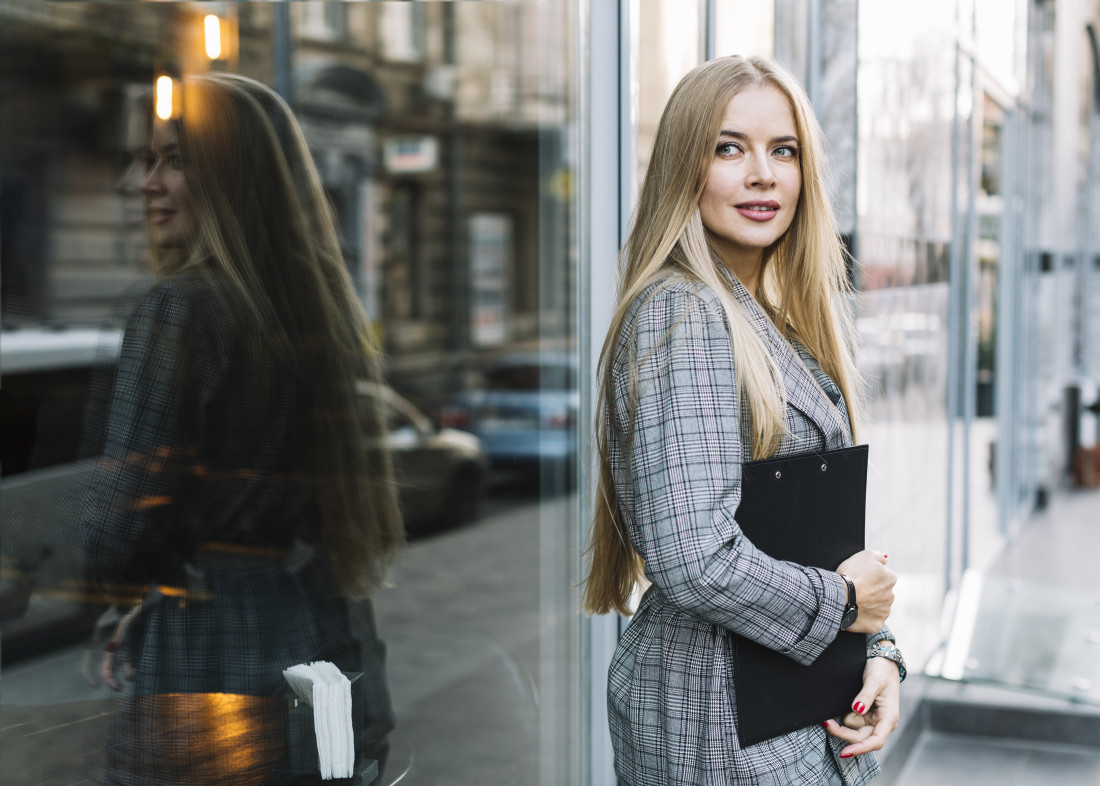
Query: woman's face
point(755, 178)
point(168, 206)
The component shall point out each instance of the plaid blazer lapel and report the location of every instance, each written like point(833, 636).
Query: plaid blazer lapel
point(804, 389)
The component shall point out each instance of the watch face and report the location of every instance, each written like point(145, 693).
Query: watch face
point(849, 618)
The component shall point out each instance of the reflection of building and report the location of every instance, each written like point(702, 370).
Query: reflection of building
point(429, 123)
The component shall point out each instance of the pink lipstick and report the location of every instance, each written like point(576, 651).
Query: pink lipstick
point(762, 210)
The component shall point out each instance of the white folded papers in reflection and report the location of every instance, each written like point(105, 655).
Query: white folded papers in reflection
point(325, 688)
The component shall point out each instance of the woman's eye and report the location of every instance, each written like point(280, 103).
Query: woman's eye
point(728, 149)
point(175, 161)
point(150, 162)
point(787, 151)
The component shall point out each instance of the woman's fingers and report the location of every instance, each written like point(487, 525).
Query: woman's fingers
point(107, 672)
point(843, 732)
point(873, 740)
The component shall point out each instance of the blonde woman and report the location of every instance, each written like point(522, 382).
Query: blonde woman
point(242, 480)
point(730, 343)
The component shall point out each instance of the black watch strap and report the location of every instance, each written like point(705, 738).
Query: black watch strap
point(851, 608)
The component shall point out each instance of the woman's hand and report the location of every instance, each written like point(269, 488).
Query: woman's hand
point(112, 661)
point(875, 711)
point(874, 589)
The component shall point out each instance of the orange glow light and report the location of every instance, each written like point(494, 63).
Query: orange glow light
point(164, 97)
point(213, 36)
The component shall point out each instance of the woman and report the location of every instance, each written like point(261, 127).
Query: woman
point(730, 343)
point(243, 478)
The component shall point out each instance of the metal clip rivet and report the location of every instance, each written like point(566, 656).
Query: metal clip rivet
point(824, 467)
point(778, 474)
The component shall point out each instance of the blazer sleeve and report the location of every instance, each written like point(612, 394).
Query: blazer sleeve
point(130, 516)
point(686, 449)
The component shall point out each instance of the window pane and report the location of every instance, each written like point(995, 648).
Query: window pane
point(444, 138)
point(668, 48)
point(744, 28)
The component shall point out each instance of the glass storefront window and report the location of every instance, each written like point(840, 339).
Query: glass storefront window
point(744, 28)
point(668, 48)
point(443, 135)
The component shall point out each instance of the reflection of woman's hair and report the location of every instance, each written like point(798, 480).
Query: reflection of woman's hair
point(264, 226)
point(803, 277)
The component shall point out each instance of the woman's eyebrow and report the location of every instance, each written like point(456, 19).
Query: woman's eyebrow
point(773, 141)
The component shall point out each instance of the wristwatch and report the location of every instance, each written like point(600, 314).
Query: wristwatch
point(851, 610)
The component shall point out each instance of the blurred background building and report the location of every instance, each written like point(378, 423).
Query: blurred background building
point(482, 159)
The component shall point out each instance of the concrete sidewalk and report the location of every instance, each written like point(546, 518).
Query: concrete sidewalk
point(1029, 711)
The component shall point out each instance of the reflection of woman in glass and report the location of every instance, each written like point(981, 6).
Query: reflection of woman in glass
point(243, 479)
point(730, 343)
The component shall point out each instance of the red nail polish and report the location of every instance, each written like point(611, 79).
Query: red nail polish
point(845, 755)
point(859, 707)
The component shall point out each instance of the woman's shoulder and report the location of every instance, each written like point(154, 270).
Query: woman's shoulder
point(674, 294)
point(182, 311)
point(186, 297)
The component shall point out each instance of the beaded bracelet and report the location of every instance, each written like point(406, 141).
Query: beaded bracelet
point(890, 653)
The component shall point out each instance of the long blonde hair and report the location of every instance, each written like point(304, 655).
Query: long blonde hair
point(802, 283)
point(264, 227)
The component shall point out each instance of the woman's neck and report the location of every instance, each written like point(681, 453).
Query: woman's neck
point(746, 268)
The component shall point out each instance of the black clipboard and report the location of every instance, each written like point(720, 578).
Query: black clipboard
point(810, 509)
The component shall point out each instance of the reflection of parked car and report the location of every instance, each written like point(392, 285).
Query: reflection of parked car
point(47, 378)
point(525, 413)
point(440, 471)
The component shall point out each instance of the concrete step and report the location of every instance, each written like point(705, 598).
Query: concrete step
point(988, 734)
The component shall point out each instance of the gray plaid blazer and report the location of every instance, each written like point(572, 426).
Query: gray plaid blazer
point(671, 682)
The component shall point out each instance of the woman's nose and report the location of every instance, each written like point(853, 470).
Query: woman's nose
point(760, 172)
point(150, 183)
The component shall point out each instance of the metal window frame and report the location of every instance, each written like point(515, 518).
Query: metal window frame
point(608, 53)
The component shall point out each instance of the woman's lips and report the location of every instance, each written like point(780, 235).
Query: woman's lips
point(758, 211)
point(160, 216)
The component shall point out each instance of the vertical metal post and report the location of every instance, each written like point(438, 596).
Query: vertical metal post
point(814, 46)
point(607, 165)
point(968, 267)
point(281, 51)
point(627, 104)
point(1091, 216)
point(969, 259)
point(1007, 362)
point(952, 332)
point(707, 30)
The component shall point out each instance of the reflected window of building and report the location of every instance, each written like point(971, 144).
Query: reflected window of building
point(401, 31)
point(323, 21)
point(404, 279)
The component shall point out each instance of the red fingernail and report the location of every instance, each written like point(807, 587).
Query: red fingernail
point(886, 556)
point(111, 646)
point(859, 707)
point(825, 724)
point(845, 755)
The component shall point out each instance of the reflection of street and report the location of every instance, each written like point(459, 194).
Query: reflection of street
point(461, 623)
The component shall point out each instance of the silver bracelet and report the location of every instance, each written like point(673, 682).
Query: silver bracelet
point(889, 652)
